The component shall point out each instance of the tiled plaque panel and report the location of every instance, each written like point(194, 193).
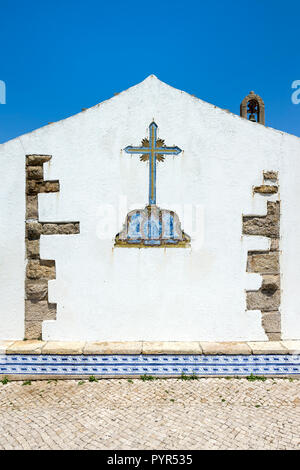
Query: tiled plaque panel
point(155, 365)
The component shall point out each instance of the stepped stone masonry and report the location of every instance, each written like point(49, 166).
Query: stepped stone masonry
point(267, 298)
point(267, 226)
point(39, 271)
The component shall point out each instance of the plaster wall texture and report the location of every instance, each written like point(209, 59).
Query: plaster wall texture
point(12, 240)
point(109, 293)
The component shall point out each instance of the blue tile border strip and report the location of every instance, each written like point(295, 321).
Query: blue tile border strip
point(155, 365)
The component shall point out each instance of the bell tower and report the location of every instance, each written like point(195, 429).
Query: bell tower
point(253, 108)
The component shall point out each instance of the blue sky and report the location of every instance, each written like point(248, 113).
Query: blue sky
point(58, 57)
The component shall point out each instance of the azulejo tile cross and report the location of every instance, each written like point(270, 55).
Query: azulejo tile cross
point(152, 226)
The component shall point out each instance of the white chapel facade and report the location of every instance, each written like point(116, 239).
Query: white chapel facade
point(151, 216)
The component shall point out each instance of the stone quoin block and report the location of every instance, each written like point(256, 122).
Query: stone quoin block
point(33, 248)
point(60, 229)
point(263, 263)
point(33, 329)
point(261, 226)
point(265, 189)
point(39, 310)
point(270, 175)
point(257, 300)
point(32, 207)
point(267, 226)
point(271, 322)
point(273, 336)
point(37, 159)
point(35, 187)
point(270, 283)
point(36, 290)
point(33, 230)
point(274, 244)
point(41, 269)
point(35, 172)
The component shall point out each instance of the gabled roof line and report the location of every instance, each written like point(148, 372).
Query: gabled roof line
point(150, 77)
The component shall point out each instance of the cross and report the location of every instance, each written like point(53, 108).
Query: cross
point(152, 150)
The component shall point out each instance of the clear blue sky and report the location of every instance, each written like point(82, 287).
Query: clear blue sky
point(58, 57)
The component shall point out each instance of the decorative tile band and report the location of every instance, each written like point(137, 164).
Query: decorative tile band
point(155, 365)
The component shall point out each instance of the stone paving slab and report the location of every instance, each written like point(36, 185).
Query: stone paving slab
point(160, 414)
point(61, 347)
point(113, 347)
point(171, 347)
point(267, 347)
point(293, 346)
point(150, 347)
point(4, 345)
point(25, 347)
point(225, 348)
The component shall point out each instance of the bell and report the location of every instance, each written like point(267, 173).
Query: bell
point(252, 118)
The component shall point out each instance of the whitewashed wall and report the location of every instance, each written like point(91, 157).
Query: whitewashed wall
point(106, 293)
point(12, 240)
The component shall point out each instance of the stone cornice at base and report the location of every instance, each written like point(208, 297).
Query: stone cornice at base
point(149, 347)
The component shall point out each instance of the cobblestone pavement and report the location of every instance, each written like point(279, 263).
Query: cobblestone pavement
point(159, 414)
